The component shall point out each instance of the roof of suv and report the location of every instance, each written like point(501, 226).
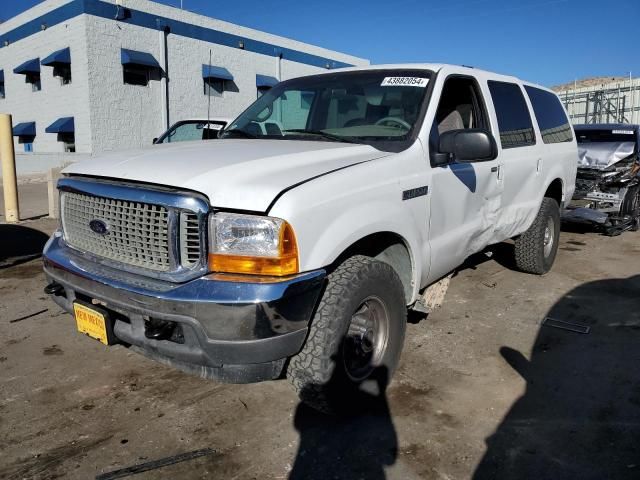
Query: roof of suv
point(436, 67)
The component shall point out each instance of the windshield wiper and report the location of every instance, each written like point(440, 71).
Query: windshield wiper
point(237, 131)
point(320, 133)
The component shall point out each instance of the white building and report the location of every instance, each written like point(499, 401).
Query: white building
point(86, 76)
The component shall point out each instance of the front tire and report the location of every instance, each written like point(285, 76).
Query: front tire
point(355, 337)
point(536, 249)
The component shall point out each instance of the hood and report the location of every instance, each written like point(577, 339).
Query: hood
point(602, 155)
point(233, 173)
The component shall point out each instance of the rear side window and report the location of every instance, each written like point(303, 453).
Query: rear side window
point(514, 121)
point(553, 122)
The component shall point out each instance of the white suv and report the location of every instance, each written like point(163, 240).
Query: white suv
point(296, 242)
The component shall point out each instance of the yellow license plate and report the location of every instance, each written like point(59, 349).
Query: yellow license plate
point(91, 322)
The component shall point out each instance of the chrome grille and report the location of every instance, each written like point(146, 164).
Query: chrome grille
point(189, 239)
point(138, 233)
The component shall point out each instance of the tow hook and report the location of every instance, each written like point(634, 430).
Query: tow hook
point(159, 329)
point(54, 289)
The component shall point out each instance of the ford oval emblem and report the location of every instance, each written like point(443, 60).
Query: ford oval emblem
point(99, 227)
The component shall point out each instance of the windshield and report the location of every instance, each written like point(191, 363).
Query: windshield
point(189, 130)
point(379, 108)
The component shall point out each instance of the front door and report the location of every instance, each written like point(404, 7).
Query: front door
point(466, 197)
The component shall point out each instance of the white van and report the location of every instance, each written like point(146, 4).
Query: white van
point(296, 242)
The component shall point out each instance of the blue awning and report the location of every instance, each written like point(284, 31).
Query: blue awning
point(25, 129)
point(62, 125)
point(61, 56)
point(133, 57)
point(30, 66)
point(264, 81)
point(1, 76)
point(211, 71)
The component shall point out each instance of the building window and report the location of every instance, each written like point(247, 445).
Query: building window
point(264, 83)
point(135, 75)
point(216, 80)
point(31, 71)
point(213, 87)
point(69, 142)
point(34, 80)
point(60, 60)
point(26, 133)
point(63, 72)
point(1, 89)
point(27, 142)
point(139, 67)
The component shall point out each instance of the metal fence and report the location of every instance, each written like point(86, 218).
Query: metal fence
point(611, 102)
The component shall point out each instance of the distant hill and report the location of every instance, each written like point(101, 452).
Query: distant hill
point(588, 82)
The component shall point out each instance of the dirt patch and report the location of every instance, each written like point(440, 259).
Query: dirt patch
point(52, 350)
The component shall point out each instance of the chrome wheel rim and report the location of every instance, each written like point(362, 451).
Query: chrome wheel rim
point(549, 237)
point(366, 339)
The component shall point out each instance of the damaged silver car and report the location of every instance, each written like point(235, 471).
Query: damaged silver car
point(608, 181)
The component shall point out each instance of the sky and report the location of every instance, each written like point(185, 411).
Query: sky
point(544, 41)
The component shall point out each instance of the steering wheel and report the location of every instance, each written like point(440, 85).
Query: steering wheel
point(395, 120)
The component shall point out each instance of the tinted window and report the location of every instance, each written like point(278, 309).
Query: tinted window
point(552, 120)
point(514, 121)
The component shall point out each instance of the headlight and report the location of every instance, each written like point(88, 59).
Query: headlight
point(251, 244)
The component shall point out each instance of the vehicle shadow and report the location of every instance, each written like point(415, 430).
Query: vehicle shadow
point(359, 443)
point(502, 253)
point(580, 414)
point(20, 244)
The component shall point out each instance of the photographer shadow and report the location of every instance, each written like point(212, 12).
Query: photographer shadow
point(357, 444)
point(580, 414)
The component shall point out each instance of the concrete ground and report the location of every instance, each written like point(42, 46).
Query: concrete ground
point(483, 390)
point(32, 199)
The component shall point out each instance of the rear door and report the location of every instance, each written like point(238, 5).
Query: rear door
point(466, 197)
point(521, 152)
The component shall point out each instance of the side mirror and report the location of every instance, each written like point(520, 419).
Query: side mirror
point(469, 145)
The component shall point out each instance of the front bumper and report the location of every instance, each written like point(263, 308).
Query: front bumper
point(237, 331)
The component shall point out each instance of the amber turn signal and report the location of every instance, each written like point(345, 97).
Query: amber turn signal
point(286, 263)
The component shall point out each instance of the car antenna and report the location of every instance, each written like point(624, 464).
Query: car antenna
point(209, 99)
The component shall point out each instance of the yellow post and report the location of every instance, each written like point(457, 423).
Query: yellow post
point(8, 159)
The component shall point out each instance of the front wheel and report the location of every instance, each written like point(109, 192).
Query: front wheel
point(535, 249)
point(355, 337)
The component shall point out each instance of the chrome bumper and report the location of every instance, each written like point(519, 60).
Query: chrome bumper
point(233, 330)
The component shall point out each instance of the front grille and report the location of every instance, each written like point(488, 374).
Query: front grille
point(137, 233)
point(189, 239)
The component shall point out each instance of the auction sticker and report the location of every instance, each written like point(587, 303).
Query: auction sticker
point(404, 82)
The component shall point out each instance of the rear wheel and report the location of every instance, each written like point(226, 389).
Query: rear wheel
point(355, 337)
point(631, 207)
point(535, 249)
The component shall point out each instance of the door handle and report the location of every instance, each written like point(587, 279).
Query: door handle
point(494, 169)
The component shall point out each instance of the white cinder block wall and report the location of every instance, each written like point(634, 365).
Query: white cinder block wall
point(111, 115)
point(54, 100)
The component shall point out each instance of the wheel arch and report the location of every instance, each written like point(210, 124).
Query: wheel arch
point(555, 190)
point(388, 247)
